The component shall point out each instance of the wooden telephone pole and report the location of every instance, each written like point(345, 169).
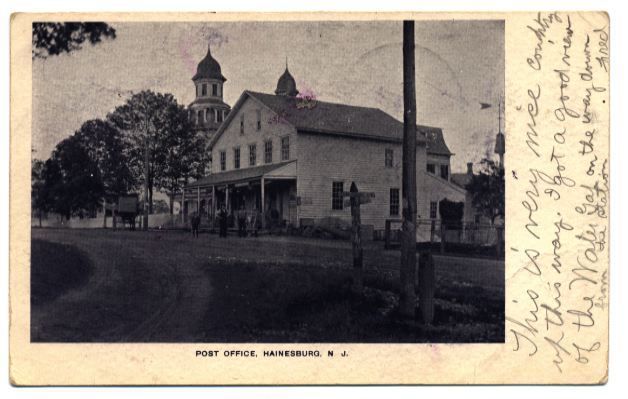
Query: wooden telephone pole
point(407, 273)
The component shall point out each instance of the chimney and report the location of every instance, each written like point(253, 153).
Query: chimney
point(469, 168)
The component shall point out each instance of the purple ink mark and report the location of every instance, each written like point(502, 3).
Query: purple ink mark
point(306, 99)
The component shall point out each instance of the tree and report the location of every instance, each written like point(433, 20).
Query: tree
point(54, 38)
point(82, 170)
point(72, 181)
point(105, 147)
point(156, 129)
point(40, 203)
point(487, 190)
point(185, 156)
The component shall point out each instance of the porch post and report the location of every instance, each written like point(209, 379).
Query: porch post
point(182, 205)
point(213, 215)
point(198, 199)
point(262, 188)
point(227, 205)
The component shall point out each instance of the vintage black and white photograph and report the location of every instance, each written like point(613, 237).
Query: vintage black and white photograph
point(268, 182)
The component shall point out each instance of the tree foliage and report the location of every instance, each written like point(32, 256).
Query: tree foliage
point(451, 212)
point(54, 38)
point(73, 184)
point(487, 190)
point(104, 145)
point(157, 121)
point(105, 158)
point(82, 170)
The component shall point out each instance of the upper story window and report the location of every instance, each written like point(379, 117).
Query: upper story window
point(223, 161)
point(204, 89)
point(214, 89)
point(258, 124)
point(336, 195)
point(219, 115)
point(285, 148)
point(242, 124)
point(268, 151)
point(444, 172)
point(433, 209)
point(236, 158)
point(431, 168)
point(394, 202)
point(252, 154)
point(388, 162)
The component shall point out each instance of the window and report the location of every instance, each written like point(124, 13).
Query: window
point(285, 148)
point(252, 154)
point(236, 158)
point(444, 172)
point(268, 151)
point(259, 120)
point(199, 116)
point(214, 89)
point(241, 124)
point(431, 168)
point(223, 161)
point(389, 158)
point(433, 209)
point(207, 112)
point(219, 115)
point(204, 89)
point(394, 202)
point(336, 195)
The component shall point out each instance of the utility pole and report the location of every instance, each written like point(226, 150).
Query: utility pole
point(146, 159)
point(407, 298)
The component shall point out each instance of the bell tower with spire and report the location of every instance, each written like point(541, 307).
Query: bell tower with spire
point(208, 110)
point(286, 85)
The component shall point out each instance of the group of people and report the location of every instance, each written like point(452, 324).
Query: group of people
point(241, 215)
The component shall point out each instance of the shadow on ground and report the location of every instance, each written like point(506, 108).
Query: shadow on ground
point(296, 303)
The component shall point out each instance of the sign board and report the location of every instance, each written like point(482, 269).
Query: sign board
point(127, 204)
point(363, 197)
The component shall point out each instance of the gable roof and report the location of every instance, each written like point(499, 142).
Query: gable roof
point(328, 118)
point(461, 179)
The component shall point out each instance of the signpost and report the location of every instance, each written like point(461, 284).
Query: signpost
point(355, 200)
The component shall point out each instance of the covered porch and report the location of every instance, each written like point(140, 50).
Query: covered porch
point(267, 193)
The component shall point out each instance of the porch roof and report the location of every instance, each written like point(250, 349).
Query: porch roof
point(282, 169)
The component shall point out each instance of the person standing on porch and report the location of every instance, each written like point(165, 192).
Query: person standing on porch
point(241, 215)
point(222, 222)
point(195, 222)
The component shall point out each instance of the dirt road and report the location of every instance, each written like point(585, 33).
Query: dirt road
point(155, 286)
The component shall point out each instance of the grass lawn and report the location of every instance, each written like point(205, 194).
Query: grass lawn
point(168, 287)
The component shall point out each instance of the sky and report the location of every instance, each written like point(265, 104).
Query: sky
point(459, 64)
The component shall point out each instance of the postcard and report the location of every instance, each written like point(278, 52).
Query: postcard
point(309, 198)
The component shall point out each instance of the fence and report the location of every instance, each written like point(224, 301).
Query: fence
point(459, 238)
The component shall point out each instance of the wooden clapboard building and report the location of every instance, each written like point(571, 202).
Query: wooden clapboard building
point(289, 158)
